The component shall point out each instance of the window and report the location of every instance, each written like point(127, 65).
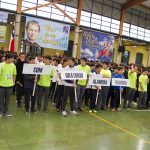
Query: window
point(125, 57)
point(139, 59)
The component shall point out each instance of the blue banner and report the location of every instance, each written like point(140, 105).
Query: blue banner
point(47, 34)
point(97, 46)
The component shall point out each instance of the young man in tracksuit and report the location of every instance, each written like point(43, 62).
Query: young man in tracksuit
point(20, 78)
point(60, 87)
point(69, 90)
point(81, 84)
point(143, 81)
point(29, 81)
point(53, 88)
point(44, 83)
point(106, 73)
point(117, 91)
point(7, 81)
point(94, 91)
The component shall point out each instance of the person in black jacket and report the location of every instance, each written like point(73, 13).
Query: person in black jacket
point(19, 78)
point(29, 81)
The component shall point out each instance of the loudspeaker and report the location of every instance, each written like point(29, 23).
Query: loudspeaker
point(121, 49)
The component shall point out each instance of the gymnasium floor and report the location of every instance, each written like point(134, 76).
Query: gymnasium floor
point(50, 131)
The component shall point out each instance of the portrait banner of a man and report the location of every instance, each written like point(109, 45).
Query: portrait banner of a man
point(47, 34)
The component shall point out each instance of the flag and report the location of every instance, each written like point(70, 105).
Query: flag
point(12, 41)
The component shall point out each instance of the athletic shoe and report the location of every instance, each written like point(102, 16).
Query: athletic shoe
point(1, 114)
point(64, 113)
point(79, 108)
point(118, 109)
point(90, 111)
point(94, 111)
point(73, 112)
point(8, 114)
point(113, 110)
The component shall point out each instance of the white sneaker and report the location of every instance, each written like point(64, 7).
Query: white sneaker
point(73, 112)
point(64, 113)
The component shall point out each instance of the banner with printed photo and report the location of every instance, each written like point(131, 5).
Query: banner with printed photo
point(47, 34)
point(97, 46)
point(3, 34)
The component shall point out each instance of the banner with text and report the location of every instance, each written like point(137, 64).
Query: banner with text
point(120, 82)
point(3, 34)
point(98, 80)
point(97, 46)
point(36, 69)
point(47, 34)
point(73, 75)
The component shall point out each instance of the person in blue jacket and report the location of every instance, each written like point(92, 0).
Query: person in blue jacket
point(117, 91)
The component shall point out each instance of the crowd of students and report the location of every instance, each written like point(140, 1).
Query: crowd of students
point(80, 93)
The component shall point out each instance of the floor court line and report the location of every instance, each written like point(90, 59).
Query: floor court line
point(116, 126)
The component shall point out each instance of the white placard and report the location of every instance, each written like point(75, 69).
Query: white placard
point(73, 75)
point(37, 69)
point(98, 80)
point(120, 82)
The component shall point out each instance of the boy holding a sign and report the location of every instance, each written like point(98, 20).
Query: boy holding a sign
point(44, 83)
point(29, 81)
point(95, 91)
point(117, 91)
point(106, 73)
point(69, 90)
point(7, 81)
point(81, 84)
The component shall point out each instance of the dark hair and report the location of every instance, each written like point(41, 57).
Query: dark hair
point(83, 59)
point(98, 66)
point(48, 57)
point(9, 55)
point(120, 68)
point(71, 58)
point(32, 22)
point(31, 58)
point(57, 60)
point(65, 60)
point(106, 63)
point(22, 53)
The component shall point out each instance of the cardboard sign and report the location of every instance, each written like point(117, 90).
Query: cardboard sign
point(37, 69)
point(98, 80)
point(120, 82)
point(73, 75)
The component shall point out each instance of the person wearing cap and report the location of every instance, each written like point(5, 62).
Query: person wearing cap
point(143, 81)
point(7, 81)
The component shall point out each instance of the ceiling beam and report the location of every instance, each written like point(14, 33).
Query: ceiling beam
point(145, 7)
point(44, 5)
point(80, 4)
point(131, 3)
point(62, 11)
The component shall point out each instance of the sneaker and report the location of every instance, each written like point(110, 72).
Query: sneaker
point(94, 111)
point(8, 114)
point(113, 110)
point(90, 111)
point(118, 109)
point(79, 108)
point(74, 112)
point(1, 114)
point(64, 113)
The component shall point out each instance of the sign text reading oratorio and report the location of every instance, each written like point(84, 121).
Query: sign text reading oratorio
point(73, 75)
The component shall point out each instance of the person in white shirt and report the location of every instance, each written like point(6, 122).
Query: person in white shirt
point(69, 90)
point(60, 87)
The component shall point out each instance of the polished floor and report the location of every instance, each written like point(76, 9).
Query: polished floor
point(104, 130)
